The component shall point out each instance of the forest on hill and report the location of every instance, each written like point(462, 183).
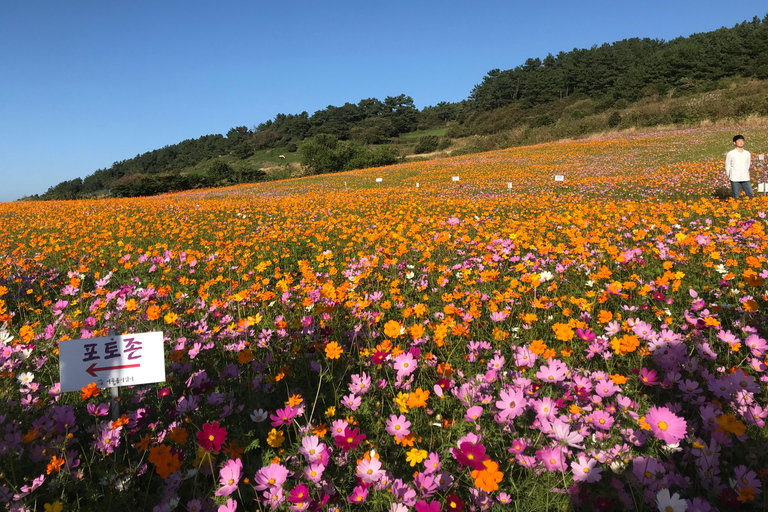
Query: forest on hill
point(633, 82)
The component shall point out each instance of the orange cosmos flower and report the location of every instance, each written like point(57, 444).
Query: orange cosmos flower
point(166, 463)
point(178, 435)
point(88, 391)
point(333, 350)
point(392, 329)
point(488, 479)
point(625, 345)
point(55, 465)
point(153, 312)
point(418, 398)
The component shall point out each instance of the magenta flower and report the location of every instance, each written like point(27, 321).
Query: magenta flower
point(470, 455)
point(351, 439)
point(649, 377)
point(665, 425)
point(283, 416)
point(229, 477)
point(212, 437)
point(432, 506)
point(359, 494)
point(299, 495)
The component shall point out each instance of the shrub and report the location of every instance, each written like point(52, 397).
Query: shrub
point(426, 144)
point(614, 119)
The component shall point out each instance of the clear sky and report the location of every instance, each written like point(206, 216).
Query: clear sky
point(84, 84)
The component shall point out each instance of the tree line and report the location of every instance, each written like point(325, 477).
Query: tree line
point(355, 135)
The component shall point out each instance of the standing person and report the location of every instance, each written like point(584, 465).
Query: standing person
point(737, 163)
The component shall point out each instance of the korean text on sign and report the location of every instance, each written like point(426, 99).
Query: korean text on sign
point(112, 361)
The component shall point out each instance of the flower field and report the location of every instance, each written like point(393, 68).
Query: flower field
point(338, 343)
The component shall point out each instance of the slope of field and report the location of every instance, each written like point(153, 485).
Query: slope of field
point(338, 342)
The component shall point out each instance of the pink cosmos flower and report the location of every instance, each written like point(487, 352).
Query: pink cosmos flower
point(555, 371)
point(473, 413)
point(601, 420)
point(606, 388)
point(351, 402)
point(230, 506)
point(432, 463)
point(370, 471)
point(338, 426)
point(553, 458)
point(229, 477)
point(270, 476)
point(405, 364)
point(666, 425)
point(512, 404)
point(746, 478)
point(398, 426)
point(108, 439)
point(584, 470)
point(312, 449)
point(314, 472)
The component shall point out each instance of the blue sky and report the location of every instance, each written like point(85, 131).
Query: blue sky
point(84, 83)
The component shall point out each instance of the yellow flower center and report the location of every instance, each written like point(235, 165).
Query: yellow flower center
point(663, 425)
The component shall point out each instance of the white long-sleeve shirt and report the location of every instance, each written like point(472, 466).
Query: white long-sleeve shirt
point(737, 165)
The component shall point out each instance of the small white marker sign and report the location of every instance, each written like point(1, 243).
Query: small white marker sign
point(761, 157)
point(378, 180)
point(761, 187)
point(559, 177)
point(455, 178)
point(417, 184)
point(509, 186)
point(112, 361)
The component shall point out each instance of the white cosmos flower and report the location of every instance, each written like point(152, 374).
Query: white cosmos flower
point(546, 276)
point(259, 415)
point(670, 503)
point(26, 377)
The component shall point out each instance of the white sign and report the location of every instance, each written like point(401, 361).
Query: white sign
point(559, 177)
point(761, 157)
point(455, 178)
point(417, 184)
point(378, 180)
point(761, 187)
point(509, 186)
point(112, 361)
